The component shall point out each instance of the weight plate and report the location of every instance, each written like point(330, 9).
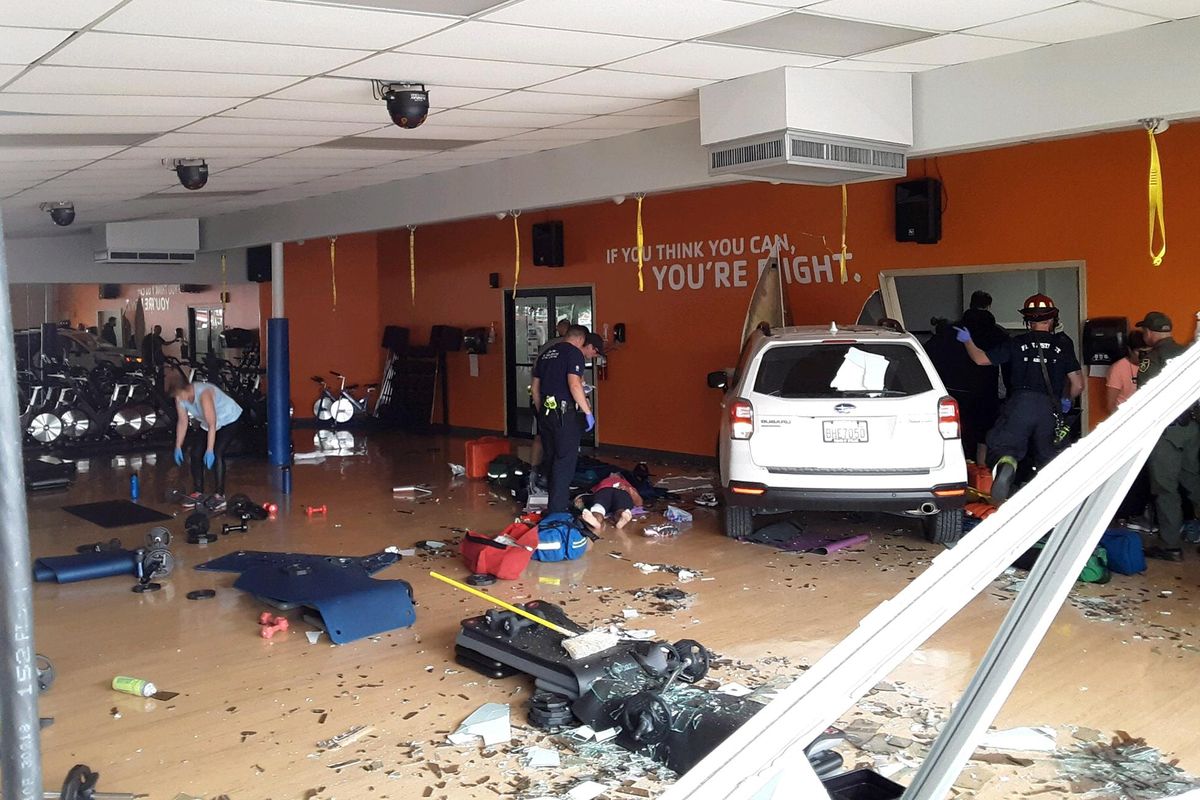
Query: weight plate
point(481, 579)
point(45, 428)
point(696, 654)
point(201, 594)
point(79, 783)
point(645, 718)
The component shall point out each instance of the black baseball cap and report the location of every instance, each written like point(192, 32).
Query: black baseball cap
point(595, 341)
point(1156, 321)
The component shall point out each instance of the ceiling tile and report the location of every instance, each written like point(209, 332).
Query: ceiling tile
point(809, 33)
point(335, 156)
point(1067, 23)
point(624, 122)
point(458, 8)
point(489, 40)
point(47, 167)
point(281, 127)
point(1173, 9)
point(934, 15)
point(96, 49)
point(54, 123)
point(72, 16)
point(8, 72)
point(38, 154)
point(685, 109)
point(624, 84)
point(217, 160)
point(662, 19)
point(26, 45)
point(113, 105)
point(295, 109)
point(438, 130)
point(437, 70)
point(862, 65)
point(358, 90)
point(93, 80)
point(219, 141)
point(272, 22)
point(951, 48)
point(557, 103)
point(512, 119)
point(713, 61)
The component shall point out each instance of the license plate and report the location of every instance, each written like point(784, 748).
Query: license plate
point(844, 431)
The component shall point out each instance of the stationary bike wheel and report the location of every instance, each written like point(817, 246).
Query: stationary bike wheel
point(76, 424)
point(127, 422)
point(323, 409)
point(45, 428)
point(342, 411)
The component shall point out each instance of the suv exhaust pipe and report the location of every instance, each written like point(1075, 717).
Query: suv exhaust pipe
point(928, 509)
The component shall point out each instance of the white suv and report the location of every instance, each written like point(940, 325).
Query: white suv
point(836, 419)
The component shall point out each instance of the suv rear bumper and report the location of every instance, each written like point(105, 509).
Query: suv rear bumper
point(847, 499)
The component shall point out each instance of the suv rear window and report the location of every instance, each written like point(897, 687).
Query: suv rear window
point(799, 371)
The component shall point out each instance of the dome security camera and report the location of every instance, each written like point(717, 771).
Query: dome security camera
point(407, 104)
point(192, 174)
point(62, 213)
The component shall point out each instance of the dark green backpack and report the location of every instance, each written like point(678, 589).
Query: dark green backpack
point(1094, 571)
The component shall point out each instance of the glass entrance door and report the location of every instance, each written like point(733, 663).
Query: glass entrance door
point(531, 319)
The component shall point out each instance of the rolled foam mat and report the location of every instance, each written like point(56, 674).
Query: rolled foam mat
point(85, 566)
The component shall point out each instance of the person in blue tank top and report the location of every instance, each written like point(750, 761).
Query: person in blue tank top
point(216, 415)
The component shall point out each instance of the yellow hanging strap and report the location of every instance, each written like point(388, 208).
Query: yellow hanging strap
point(845, 214)
point(517, 248)
point(412, 261)
point(224, 286)
point(1156, 199)
point(333, 268)
point(641, 238)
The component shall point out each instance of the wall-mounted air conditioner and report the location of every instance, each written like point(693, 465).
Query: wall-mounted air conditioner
point(811, 126)
point(157, 241)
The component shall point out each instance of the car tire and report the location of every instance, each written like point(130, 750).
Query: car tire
point(739, 522)
point(944, 527)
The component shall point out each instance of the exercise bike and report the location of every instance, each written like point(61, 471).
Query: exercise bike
point(346, 405)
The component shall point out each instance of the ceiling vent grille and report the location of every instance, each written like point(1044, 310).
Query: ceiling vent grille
point(799, 157)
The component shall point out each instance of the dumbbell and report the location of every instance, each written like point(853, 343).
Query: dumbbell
point(239, 528)
point(270, 625)
point(310, 510)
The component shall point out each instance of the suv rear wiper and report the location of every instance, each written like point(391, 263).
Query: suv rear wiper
point(873, 393)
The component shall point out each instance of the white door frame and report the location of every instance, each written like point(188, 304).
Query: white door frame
point(891, 299)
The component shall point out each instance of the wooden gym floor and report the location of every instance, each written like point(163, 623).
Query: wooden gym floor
point(250, 711)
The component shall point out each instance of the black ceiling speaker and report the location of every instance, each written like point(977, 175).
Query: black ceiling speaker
point(548, 244)
point(258, 263)
point(919, 211)
point(407, 105)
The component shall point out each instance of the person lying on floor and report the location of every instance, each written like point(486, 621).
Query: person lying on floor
point(612, 497)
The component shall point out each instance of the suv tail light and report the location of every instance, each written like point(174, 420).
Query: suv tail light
point(948, 422)
point(741, 419)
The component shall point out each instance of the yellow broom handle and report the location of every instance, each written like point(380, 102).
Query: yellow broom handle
point(502, 604)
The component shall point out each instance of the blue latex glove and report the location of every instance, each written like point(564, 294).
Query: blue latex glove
point(962, 334)
point(210, 458)
point(178, 457)
point(1066, 405)
point(591, 421)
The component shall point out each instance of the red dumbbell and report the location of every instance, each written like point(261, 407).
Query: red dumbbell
point(270, 625)
point(310, 510)
point(270, 508)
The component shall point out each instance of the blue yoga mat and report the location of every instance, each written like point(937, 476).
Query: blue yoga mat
point(85, 566)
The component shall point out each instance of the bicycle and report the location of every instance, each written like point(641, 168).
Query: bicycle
point(346, 406)
point(323, 407)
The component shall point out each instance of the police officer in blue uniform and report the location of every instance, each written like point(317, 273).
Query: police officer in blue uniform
point(1046, 378)
point(563, 409)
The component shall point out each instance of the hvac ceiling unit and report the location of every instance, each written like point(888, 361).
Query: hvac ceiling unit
point(146, 241)
point(810, 126)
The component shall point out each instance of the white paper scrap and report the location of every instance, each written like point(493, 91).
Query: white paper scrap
point(542, 757)
point(629, 613)
point(488, 722)
point(583, 732)
point(586, 791)
point(734, 690)
point(313, 636)
point(1021, 739)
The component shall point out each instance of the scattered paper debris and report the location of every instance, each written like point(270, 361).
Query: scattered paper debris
point(734, 689)
point(539, 757)
point(586, 791)
point(488, 722)
point(313, 636)
point(344, 738)
point(1021, 739)
point(629, 613)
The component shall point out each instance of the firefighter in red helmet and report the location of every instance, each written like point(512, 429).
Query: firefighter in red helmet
point(1045, 381)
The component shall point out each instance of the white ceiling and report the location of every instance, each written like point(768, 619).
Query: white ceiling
point(95, 93)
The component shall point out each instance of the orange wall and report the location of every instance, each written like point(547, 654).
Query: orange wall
point(323, 337)
point(1075, 199)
